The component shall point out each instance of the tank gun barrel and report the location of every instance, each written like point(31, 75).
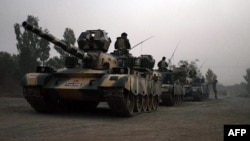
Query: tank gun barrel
point(64, 45)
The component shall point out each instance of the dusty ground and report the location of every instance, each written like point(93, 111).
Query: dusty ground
point(191, 121)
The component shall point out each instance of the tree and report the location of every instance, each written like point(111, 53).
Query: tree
point(247, 78)
point(210, 76)
point(192, 68)
point(69, 37)
point(8, 65)
point(32, 49)
point(10, 74)
point(55, 62)
point(44, 49)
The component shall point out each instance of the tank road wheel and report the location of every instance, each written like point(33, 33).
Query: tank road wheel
point(145, 103)
point(122, 105)
point(129, 98)
point(155, 103)
point(150, 102)
point(138, 103)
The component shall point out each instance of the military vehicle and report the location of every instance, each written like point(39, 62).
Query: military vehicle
point(172, 86)
point(128, 84)
point(198, 90)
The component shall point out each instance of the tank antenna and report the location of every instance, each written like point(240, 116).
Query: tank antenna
point(174, 52)
point(141, 42)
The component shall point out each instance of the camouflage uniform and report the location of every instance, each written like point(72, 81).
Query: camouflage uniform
point(122, 44)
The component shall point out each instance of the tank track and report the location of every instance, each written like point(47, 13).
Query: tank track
point(121, 103)
point(171, 100)
point(51, 103)
point(126, 104)
point(198, 96)
point(38, 100)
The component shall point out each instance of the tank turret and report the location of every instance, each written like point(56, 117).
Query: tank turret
point(94, 40)
point(93, 45)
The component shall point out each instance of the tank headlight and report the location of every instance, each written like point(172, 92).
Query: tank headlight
point(122, 70)
point(137, 62)
point(43, 69)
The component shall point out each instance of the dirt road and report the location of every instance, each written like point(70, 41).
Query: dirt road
point(190, 121)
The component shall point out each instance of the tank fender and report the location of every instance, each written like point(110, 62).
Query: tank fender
point(115, 81)
point(35, 79)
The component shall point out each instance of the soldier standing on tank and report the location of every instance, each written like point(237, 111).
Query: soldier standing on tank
point(163, 65)
point(122, 44)
point(214, 88)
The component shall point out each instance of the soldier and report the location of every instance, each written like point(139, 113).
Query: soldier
point(163, 65)
point(192, 73)
point(214, 88)
point(122, 43)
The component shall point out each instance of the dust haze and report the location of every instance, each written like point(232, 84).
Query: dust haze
point(215, 32)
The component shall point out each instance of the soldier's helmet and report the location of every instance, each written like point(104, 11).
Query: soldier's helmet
point(124, 34)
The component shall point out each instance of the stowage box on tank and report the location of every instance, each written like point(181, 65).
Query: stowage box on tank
point(128, 84)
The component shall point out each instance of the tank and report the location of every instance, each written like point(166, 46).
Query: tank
point(198, 90)
point(128, 84)
point(173, 82)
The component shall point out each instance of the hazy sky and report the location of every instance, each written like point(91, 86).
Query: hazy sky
point(217, 32)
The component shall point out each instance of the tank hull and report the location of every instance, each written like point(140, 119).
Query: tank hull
point(172, 89)
point(139, 91)
point(197, 92)
point(172, 94)
point(52, 92)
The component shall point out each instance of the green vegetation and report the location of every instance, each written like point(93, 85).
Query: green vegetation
point(32, 51)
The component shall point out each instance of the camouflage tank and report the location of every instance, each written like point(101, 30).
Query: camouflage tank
point(173, 86)
point(128, 84)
